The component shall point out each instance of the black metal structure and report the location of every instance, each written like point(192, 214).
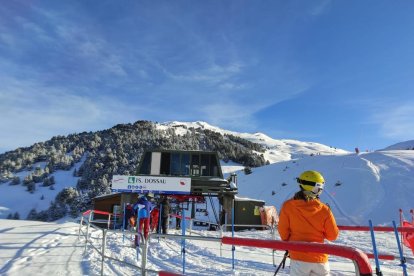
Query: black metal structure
point(203, 167)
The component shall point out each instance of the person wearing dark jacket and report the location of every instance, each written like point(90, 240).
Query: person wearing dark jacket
point(129, 212)
point(165, 213)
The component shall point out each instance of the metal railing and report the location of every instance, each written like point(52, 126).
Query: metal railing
point(359, 258)
point(101, 251)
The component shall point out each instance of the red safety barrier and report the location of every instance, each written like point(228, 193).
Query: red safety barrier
point(376, 228)
point(381, 257)
point(86, 213)
point(165, 273)
point(178, 216)
point(98, 212)
point(342, 251)
point(101, 212)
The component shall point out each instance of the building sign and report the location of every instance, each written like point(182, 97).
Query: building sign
point(151, 184)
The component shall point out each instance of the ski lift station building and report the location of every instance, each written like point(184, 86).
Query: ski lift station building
point(203, 170)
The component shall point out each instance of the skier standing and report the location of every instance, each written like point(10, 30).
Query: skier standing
point(144, 214)
point(165, 213)
point(305, 218)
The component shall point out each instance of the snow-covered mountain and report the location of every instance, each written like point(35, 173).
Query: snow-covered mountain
point(359, 187)
point(276, 149)
point(407, 145)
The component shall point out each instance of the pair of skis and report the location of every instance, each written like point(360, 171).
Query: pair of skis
point(400, 250)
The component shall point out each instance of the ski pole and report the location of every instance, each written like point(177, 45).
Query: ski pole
point(233, 248)
point(412, 216)
point(159, 222)
point(282, 263)
point(402, 259)
point(374, 245)
point(123, 224)
point(401, 233)
point(137, 237)
point(183, 240)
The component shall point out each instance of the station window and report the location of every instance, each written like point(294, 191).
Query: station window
point(195, 164)
point(175, 164)
point(214, 168)
point(185, 164)
point(205, 164)
point(165, 163)
point(146, 164)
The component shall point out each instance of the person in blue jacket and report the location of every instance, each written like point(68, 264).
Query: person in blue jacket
point(142, 210)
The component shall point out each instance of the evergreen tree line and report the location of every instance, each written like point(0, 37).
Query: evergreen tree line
point(113, 151)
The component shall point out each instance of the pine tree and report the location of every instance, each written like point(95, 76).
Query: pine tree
point(32, 215)
point(16, 216)
point(15, 181)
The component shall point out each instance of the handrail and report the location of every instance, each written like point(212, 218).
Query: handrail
point(376, 228)
point(359, 258)
point(354, 254)
point(249, 225)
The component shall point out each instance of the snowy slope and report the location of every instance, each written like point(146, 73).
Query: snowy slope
point(372, 185)
point(39, 248)
point(407, 145)
point(16, 198)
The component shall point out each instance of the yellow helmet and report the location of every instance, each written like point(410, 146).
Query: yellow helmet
point(311, 183)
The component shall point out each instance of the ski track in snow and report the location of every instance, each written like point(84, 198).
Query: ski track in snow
point(339, 209)
point(39, 252)
point(54, 249)
point(375, 169)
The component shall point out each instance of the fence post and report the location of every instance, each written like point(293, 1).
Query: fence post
point(221, 243)
point(104, 232)
point(87, 230)
point(233, 248)
point(109, 221)
point(144, 256)
point(80, 227)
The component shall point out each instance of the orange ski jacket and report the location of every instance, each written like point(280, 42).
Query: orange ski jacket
point(310, 221)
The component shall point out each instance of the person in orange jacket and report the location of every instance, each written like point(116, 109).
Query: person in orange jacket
point(306, 218)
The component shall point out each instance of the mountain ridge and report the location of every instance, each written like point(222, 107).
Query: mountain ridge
point(67, 171)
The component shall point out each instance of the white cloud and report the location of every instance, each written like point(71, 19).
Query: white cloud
point(396, 121)
point(31, 113)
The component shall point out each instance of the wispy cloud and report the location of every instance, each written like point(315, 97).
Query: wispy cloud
point(68, 71)
point(320, 7)
point(396, 120)
point(32, 113)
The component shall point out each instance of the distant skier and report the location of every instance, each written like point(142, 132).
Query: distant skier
point(144, 214)
point(305, 218)
point(129, 212)
point(155, 214)
point(165, 213)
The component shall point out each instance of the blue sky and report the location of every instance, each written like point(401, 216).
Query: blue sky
point(339, 73)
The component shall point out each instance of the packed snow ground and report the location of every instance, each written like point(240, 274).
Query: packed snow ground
point(39, 248)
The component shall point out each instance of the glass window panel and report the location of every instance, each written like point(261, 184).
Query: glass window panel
point(205, 164)
point(195, 164)
point(165, 163)
point(214, 170)
point(175, 164)
point(185, 164)
point(146, 164)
